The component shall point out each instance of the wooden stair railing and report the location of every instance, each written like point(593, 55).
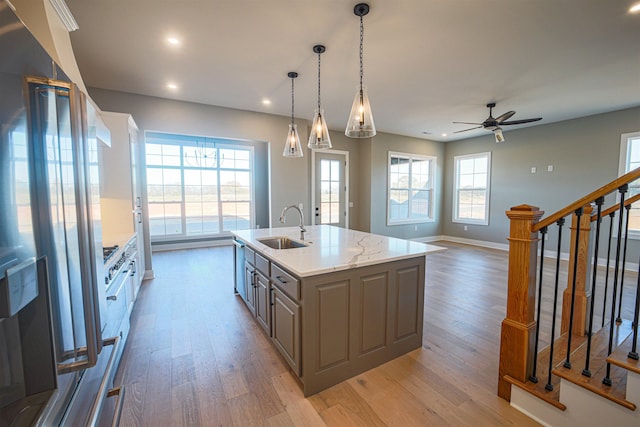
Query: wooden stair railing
point(519, 328)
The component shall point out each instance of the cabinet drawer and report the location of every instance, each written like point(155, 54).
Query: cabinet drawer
point(285, 281)
point(262, 264)
point(249, 255)
point(116, 308)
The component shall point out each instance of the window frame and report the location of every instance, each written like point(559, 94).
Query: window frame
point(217, 144)
point(433, 161)
point(623, 167)
point(456, 189)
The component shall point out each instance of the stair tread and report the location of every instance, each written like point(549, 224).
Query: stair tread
point(597, 366)
point(559, 354)
point(620, 356)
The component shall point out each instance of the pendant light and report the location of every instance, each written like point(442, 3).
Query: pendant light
point(319, 138)
point(360, 124)
point(292, 147)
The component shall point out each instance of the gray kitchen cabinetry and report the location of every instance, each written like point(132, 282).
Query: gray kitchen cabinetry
point(263, 305)
point(285, 327)
point(332, 326)
point(257, 285)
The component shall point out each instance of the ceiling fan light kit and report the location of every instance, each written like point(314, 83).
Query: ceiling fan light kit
point(360, 123)
point(494, 123)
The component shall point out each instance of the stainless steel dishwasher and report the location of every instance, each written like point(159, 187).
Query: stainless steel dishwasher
point(238, 258)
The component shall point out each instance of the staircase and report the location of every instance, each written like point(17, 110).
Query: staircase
point(587, 372)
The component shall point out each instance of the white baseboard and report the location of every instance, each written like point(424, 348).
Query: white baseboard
point(564, 256)
point(159, 247)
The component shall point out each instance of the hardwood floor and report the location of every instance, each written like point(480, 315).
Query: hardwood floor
point(195, 357)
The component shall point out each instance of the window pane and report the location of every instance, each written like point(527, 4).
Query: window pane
point(335, 170)
point(465, 166)
point(480, 180)
point(183, 186)
point(480, 165)
point(420, 204)
point(465, 181)
point(472, 182)
point(398, 204)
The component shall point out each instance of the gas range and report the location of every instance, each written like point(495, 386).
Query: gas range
point(116, 260)
point(108, 252)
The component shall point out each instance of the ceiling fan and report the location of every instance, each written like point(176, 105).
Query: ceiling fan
point(493, 123)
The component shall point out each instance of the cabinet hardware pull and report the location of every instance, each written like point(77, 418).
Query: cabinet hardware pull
point(112, 298)
point(280, 279)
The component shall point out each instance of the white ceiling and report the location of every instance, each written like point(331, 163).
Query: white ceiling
point(427, 63)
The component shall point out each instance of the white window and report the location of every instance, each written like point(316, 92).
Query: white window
point(630, 160)
point(198, 186)
point(410, 188)
point(471, 198)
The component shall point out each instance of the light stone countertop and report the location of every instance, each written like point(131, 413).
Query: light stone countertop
point(333, 248)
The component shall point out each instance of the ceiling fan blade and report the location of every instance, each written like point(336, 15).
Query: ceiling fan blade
point(519, 122)
point(468, 123)
point(464, 130)
point(506, 116)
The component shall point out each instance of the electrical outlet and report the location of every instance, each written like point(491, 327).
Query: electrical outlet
point(534, 169)
point(300, 206)
point(550, 168)
point(465, 228)
point(415, 228)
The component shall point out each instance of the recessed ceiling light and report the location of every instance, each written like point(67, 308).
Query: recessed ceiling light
point(444, 134)
point(172, 86)
point(266, 101)
point(173, 41)
point(635, 8)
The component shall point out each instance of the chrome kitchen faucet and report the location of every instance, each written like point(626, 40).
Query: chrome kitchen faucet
point(284, 212)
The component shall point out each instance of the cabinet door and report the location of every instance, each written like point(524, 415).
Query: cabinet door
point(249, 294)
point(263, 307)
point(285, 323)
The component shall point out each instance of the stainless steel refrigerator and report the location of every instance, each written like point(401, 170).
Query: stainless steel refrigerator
point(55, 366)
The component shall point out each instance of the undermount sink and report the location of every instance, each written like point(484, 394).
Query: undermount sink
point(281, 242)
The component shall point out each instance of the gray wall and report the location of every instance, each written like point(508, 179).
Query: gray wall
point(289, 177)
point(379, 148)
point(584, 153)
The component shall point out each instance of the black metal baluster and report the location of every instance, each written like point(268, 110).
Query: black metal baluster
point(606, 277)
point(624, 261)
point(567, 362)
point(533, 378)
point(607, 378)
point(549, 386)
point(633, 354)
point(586, 372)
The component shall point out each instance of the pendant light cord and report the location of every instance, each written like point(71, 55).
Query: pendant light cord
point(292, 100)
point(319, 53)
point(361, 49)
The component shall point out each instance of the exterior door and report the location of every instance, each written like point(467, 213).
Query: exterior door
point(330, 189)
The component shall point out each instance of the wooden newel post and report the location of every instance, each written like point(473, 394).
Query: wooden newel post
point(578, 261)
point(517, 339)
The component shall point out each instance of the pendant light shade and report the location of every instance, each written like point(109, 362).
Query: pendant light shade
point(292, 147)
point(360, 124)
point(319, 136)
point(497, 132)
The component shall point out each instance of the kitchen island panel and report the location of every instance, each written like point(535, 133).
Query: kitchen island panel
point(348, 331)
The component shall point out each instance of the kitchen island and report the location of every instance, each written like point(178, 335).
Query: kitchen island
point(339, 303)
